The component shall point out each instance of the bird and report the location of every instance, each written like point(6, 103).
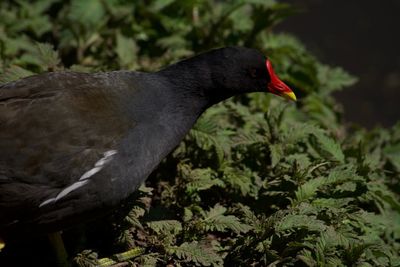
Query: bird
point(74, 145)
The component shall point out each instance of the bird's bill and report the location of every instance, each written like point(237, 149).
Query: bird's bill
point(289, 95)
point(277, 87)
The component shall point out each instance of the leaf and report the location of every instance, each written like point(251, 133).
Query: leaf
point(341, 178)
point(308, 190)
point(148, 260)
point(215, 220)
point(245, 138)
point(199, 254)
point(297, 132)
point(343, 173)
point(48, 58)
point(277, 153)
point(333, 79)
point(392, 152)
point(187, 215)
point(126, 50)
point(86, 258)
point(35, 18)
point(240, 180)
point(321, 111)
point(88, 13)
point(133, 217)
point(294, 221)
point(332, 203)
point(158, 5)
point(302, 160)
point(165, 226)
point(347, 187)
point(307, 258)
point(204, 133)
point(328, 147)
point(199, 179)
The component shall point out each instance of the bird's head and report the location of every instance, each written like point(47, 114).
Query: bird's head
point(247, 70)
point(225, 72)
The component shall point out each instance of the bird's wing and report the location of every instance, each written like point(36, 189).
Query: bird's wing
point(55, 129)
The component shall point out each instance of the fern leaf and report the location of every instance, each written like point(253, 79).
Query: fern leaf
point(240, 180)
point(301, 159)
point(215, 220)
point(393, 154)
point(148, 260)
point(249, 138)
point(197, 253)
point(333, 79)
point(86, 258)
point(133, 216)
point(165, 226)
point(202, 179)
point(328, 147)
point(205, 135)
point(47, 56)
point(308, 190)
point(295, 221)
point(307, 258)
point(277, 153)
point(297, 132)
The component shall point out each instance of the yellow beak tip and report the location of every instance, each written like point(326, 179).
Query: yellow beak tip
point(289, 95)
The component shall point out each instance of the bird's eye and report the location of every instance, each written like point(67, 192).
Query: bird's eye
point(253, 73)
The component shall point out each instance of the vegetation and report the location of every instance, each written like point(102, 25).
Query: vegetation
point(258, 181)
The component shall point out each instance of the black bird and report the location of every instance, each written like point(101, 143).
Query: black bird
point(74, 145)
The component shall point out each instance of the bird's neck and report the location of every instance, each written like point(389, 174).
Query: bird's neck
point(164, 109)
point(198, 78)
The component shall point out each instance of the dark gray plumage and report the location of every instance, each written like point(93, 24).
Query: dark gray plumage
point(74, 145)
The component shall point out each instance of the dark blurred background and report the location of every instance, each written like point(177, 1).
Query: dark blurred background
point(364, 38)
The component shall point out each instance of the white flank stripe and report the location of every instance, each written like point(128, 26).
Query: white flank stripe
point(107, 157)
point(89, 173)
point(71, 188)
point(50, 200)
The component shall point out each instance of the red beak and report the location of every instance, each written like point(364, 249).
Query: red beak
point(276, 86)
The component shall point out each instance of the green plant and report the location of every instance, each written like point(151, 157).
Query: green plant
point(257, 182)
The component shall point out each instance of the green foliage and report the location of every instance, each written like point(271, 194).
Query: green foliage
point(198, 254)
point(215, 220)
point(257, 182)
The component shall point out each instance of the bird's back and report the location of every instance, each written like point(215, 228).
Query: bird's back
point(54, 127)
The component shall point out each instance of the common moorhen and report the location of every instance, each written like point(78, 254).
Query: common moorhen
point(74, 145)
